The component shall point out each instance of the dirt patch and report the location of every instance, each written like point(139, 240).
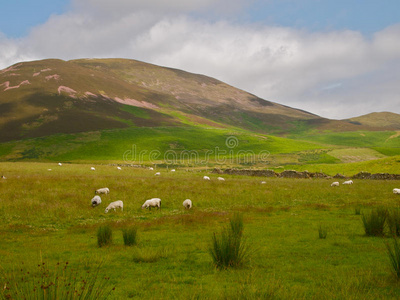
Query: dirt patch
point(25, 82)
point(69, 91)
point(133, 102)
point(397, 134)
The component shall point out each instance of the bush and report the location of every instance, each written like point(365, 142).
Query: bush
point(394, 256)
point(62, 282)
point(322, 232)
point(129, 236)
point(393, 220)
point(374, 222)
point(357, 210)
point(104, 235)
point(228, 248)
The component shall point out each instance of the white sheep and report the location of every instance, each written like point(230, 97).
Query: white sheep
point(93, 169)
point(151, 169)
point(206, 178)
point(187, 204)
point(221, 179)
point(336, 183)
point(173, 170)
point(157, 174)
point(102, 191)
point(119, 168)
point(60, 164)
point(114, 205)
point(263, 182)
point(153, 202)
point(48, 169)
point(96, 200)
point(3, 177)
point(396, 191)
point(348, 182)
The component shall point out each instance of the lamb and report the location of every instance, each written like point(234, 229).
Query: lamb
point(157, 174)
point(206, 178)
point(187, 204)
point(348, 182)
point(396, 191)
point(153, 202)
point(114, 205)
point(221, 179)
point(102, 191)
point(96, 200)
point(335, 183)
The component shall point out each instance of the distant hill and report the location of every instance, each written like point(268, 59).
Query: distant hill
point(382, 120)
point(42, 98)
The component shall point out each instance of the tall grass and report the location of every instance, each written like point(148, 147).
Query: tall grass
point(393, 221)
point(129, 235)
point(104, 235)
point(322, 232)
point(394, 256)
point(374, 222)
point(228, 249)
point(61, 282)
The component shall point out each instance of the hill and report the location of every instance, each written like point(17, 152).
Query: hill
point(378, 120)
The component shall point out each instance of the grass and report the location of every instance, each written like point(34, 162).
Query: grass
point(394, 256)
point(375, 221)
point(104, 236)
point(49, 213)
point(130, 236)
point(322, 232)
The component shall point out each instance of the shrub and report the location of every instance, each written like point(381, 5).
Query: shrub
point(394, 256)
point(228, 249)
point(129, 236)
point(322, 232)
point(62, 282)
point(357, 210)
point(104, 235)
point(374, 222)
point(393, 220)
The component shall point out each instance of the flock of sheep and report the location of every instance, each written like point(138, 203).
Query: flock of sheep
point(336, 183)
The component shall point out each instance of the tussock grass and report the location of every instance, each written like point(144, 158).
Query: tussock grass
point(393, 221)
point(374, 221)
point(322, 232)
point(130, 236)
point(228, 249)
point(104, 235)
point(394, 256)
point(55, 282)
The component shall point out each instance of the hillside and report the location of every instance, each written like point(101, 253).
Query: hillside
point(41, 98)
point(378, 119)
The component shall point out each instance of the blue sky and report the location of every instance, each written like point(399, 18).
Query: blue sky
point(334, 58)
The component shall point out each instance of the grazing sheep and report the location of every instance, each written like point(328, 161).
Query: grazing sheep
point(173, 170)
point(114, 205)
point(93, 169)
point(263, 182)
point(48, 169)
point(221, 179)
point(102, 191)
point(348, 182)
point(96, 200)
point(153, 202)
point(119, 168)
point(3, 177)
point(206, 178)
point(157, 174)
point(335, 183)
point(396, 191)
point(151, 169)
point(60, 164)
point(187, 204)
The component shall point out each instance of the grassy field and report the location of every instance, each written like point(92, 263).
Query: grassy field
point(46, 216)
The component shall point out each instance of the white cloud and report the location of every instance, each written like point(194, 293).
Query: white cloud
point(335, 74)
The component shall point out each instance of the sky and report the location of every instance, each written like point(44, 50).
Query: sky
point(334, 58)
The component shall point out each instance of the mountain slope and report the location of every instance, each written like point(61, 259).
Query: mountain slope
point(42, 98)
point(379, 119)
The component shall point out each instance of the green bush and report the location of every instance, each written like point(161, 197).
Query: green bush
point(394, 256)
point(374, 222)
point(322, 232)
point(104, 235)
point(228, 249)
point(61, 282)
point(393, 220)
point(129, 236)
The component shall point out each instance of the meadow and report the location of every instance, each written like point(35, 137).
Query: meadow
point(46, 216)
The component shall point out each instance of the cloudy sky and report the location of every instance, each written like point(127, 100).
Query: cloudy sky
point(334, 58)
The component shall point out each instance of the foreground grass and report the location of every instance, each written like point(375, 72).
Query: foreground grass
point(47, 214)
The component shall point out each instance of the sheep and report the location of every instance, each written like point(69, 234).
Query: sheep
point(151, 169)
point(157, 174)
point(187, 204)
point(96, 200)
point(396, 191)
point(348, 182)
point(48, 169)
point(114, 205)
point(119, 168)
point(206, 178)
point(263, 182)
point(335, 183)
point(153, 202)
point(60, 164)
point(3, 177)
point(93, 169)
point(173, 170)
point(102, 191)
point(221, 179)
